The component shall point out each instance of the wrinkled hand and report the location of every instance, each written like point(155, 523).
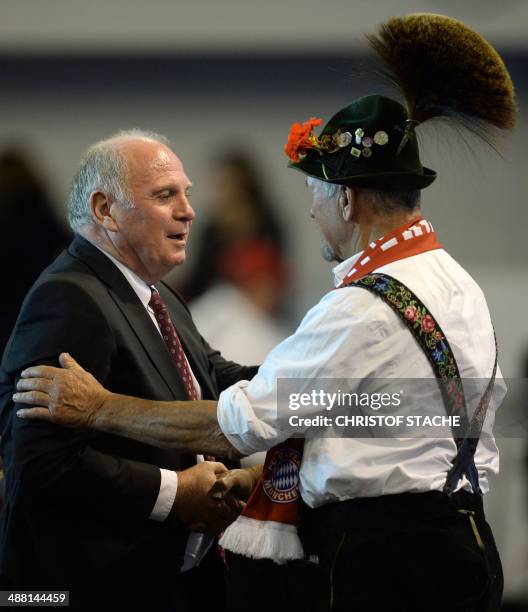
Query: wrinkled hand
point(202, 500)
point(234, 488)
point(69, 396)
point(239, 482)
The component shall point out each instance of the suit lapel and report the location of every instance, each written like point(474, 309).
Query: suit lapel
point(133, 311)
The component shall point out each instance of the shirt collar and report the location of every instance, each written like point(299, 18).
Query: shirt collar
point(140, 287)
point(341, 270)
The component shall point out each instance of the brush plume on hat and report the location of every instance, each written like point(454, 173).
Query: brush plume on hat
point(445, 69)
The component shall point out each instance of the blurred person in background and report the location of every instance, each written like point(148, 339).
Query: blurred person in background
point(24, 205)
point(240, 210)
point(239, 313)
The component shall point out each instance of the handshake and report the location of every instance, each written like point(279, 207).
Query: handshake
point(210, 497)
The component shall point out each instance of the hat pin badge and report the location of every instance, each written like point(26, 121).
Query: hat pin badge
point(381, 138)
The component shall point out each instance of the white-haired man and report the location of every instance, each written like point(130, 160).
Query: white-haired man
point(102, 517)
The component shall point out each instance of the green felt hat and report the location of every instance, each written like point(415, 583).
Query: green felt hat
point(369, 143)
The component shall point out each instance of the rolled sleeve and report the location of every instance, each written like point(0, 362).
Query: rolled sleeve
point(240, 425)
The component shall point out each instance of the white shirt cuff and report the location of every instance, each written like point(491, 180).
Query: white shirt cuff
point(239, 424)
point(166, 496)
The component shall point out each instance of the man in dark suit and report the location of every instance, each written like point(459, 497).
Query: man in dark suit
point(101, 516)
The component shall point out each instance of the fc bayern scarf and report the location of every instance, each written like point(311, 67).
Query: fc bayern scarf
point(267, 528)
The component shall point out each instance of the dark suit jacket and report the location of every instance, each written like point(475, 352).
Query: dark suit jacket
point(77, 503)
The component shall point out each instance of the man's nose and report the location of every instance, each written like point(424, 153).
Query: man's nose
point(183, 210)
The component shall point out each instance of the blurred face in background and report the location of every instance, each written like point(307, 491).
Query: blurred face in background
point(233, 208)
point(152, 231)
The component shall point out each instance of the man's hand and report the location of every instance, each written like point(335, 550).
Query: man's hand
point(239, 482)
point(202, 501)
point(73, 398)
point(234, 488)
point(69, 396)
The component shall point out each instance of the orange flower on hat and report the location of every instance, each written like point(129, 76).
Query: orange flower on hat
point(301, 138)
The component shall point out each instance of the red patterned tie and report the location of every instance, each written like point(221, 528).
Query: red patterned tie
point(170, 337)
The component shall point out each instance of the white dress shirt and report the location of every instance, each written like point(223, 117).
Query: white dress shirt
point(352, 334)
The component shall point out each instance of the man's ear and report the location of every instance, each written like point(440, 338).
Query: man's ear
point(346, 202)
point(102, 210)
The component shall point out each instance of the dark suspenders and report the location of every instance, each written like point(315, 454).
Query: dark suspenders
point(433, 342)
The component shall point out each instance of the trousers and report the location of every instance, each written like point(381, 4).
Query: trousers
point(406, 552)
